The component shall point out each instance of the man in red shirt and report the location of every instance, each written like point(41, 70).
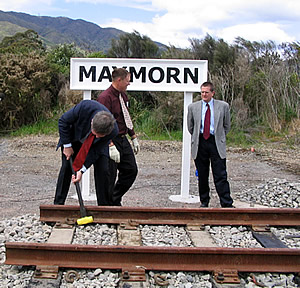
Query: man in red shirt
point(122, 158)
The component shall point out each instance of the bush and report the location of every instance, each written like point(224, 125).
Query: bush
point(25, 81)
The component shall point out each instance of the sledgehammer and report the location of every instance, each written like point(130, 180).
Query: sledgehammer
point(84, 218)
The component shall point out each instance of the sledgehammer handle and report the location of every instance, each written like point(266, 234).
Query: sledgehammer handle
point(82, 208)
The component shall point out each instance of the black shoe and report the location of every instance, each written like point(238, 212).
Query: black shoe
point(203, 205)
point(231, 206)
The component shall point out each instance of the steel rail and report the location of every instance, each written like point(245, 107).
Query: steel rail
point(174, 216)
point(158, 258)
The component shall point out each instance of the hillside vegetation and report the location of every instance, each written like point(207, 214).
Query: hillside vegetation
point(59, 30)
point(260, 81)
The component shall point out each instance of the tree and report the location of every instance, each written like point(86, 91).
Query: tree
point(59, 57)
point(98, 54)
point(271, 91)
point(204, 49)
point(133, 45)
point(22, 43)
point(25, 80)
point(173, 52)
point(223, 56)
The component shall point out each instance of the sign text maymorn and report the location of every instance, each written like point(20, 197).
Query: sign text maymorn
point(146, 74)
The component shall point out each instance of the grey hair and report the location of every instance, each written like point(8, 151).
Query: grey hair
point(103, 122)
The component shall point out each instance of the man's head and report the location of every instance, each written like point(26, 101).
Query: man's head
point(102, 124)
point(207, 91)
point(120, 79)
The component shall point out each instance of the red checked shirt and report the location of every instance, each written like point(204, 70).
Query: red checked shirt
point(110, 99)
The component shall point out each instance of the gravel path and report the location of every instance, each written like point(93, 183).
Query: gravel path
point(29, 167)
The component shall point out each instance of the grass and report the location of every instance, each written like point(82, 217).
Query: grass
point(150, 130)
point(148, 126)
point(46, 127)
point(146, 131)
point(162, 136)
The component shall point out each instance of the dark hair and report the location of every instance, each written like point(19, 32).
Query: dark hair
point(103, 122)
point(208, 84)
point(119, 72)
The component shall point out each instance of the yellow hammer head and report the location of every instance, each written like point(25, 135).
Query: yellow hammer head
point(85, 220)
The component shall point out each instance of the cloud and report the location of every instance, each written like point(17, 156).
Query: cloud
point(256, 32)
point(170, 36)
point(137, 4)
point(176, 21)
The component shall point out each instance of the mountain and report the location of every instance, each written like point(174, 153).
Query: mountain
point(59, 30)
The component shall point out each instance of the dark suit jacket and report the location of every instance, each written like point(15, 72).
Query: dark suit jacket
point(75, 124)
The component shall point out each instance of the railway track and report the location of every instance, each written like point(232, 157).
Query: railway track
point(134, 260)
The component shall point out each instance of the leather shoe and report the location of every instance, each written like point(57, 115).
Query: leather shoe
point(203, 205)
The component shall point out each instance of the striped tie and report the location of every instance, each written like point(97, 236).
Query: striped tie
point(127, 118)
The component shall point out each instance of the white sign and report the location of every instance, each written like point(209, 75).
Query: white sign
point(146, 74)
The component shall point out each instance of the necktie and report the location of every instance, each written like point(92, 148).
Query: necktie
point(84, 149)
point(206, 130)
point(127, 118)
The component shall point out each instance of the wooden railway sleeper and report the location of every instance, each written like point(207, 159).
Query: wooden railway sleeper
point(267, 239)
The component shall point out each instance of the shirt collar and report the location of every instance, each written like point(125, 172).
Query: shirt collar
point(210, 103)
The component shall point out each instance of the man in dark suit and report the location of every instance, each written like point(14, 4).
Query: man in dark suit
point(87, 118)
point(209, 144)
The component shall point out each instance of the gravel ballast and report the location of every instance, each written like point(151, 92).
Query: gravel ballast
point(28, 228)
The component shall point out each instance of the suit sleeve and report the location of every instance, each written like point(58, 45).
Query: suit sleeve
point(65, 124)
point(190, 120)
point(227, 123)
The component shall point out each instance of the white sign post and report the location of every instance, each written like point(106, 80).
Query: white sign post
point(146, 75)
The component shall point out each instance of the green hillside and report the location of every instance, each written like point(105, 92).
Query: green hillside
point(59, 30)
point(9, 29)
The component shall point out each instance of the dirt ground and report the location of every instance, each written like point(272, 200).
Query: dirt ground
point(29, 167)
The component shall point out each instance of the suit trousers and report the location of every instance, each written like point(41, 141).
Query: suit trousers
point(100, 177)
point(208, 154)
point(127, 169)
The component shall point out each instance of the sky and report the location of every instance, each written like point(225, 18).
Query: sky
point(174, 22)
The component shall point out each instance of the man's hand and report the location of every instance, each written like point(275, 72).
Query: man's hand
point(136, 145)
point(68, 152)
point(77, 178)
point(114, 154)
